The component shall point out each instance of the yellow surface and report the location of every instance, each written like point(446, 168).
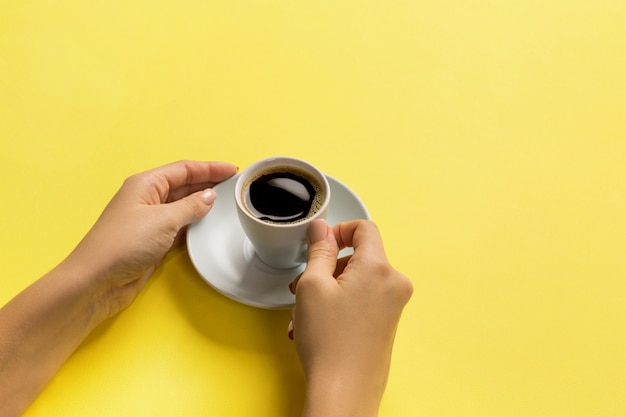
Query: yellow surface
point(487, 138)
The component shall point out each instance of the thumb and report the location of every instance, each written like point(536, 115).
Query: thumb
point(192, 207)
point(322, 250)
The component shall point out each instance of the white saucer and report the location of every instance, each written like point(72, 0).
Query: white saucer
point(224, 258)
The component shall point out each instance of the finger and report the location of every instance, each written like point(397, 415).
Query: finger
point(181, 192)
point(191, 208)
point(290, 326)
point(181, 237)
point(362, 235)
point(341, 265)
point(322, 250)
point(188, 176)
point(290, 330)
point(195, 172)
point(294, 283)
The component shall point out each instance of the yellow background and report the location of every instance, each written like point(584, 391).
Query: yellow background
point(487, 138)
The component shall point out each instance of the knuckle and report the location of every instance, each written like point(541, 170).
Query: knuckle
point(324, 252)
point(404, 287)
point(381, 267)
point(133, 179)
point(308, 283)
point(370, 224)
point(397, 284)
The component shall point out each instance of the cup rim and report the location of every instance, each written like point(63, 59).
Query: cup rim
point(281, 160)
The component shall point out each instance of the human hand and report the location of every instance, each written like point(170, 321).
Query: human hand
point(345, 318)
point(144, 220)
point(43, 325)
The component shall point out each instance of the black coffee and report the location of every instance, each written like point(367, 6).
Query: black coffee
point(282, 195)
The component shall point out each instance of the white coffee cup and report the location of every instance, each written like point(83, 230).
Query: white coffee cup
point(278, 229)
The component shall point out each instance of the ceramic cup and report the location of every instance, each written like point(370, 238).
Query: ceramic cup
point(273, 198)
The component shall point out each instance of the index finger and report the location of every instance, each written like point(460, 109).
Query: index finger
point(362, 235)
point(178, 174)
point(179, 179)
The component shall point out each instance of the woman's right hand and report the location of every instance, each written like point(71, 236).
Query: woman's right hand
point(345, 318)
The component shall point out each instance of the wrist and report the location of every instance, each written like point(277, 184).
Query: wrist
point(338, 392)
point(89, 291)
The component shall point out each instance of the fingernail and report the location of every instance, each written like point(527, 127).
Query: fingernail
point(317, 230)
point(208, 196)
point(290, 330)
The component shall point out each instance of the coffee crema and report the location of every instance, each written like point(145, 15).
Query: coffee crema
point(282, 195)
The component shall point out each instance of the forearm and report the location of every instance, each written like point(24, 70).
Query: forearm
point(39, 329)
